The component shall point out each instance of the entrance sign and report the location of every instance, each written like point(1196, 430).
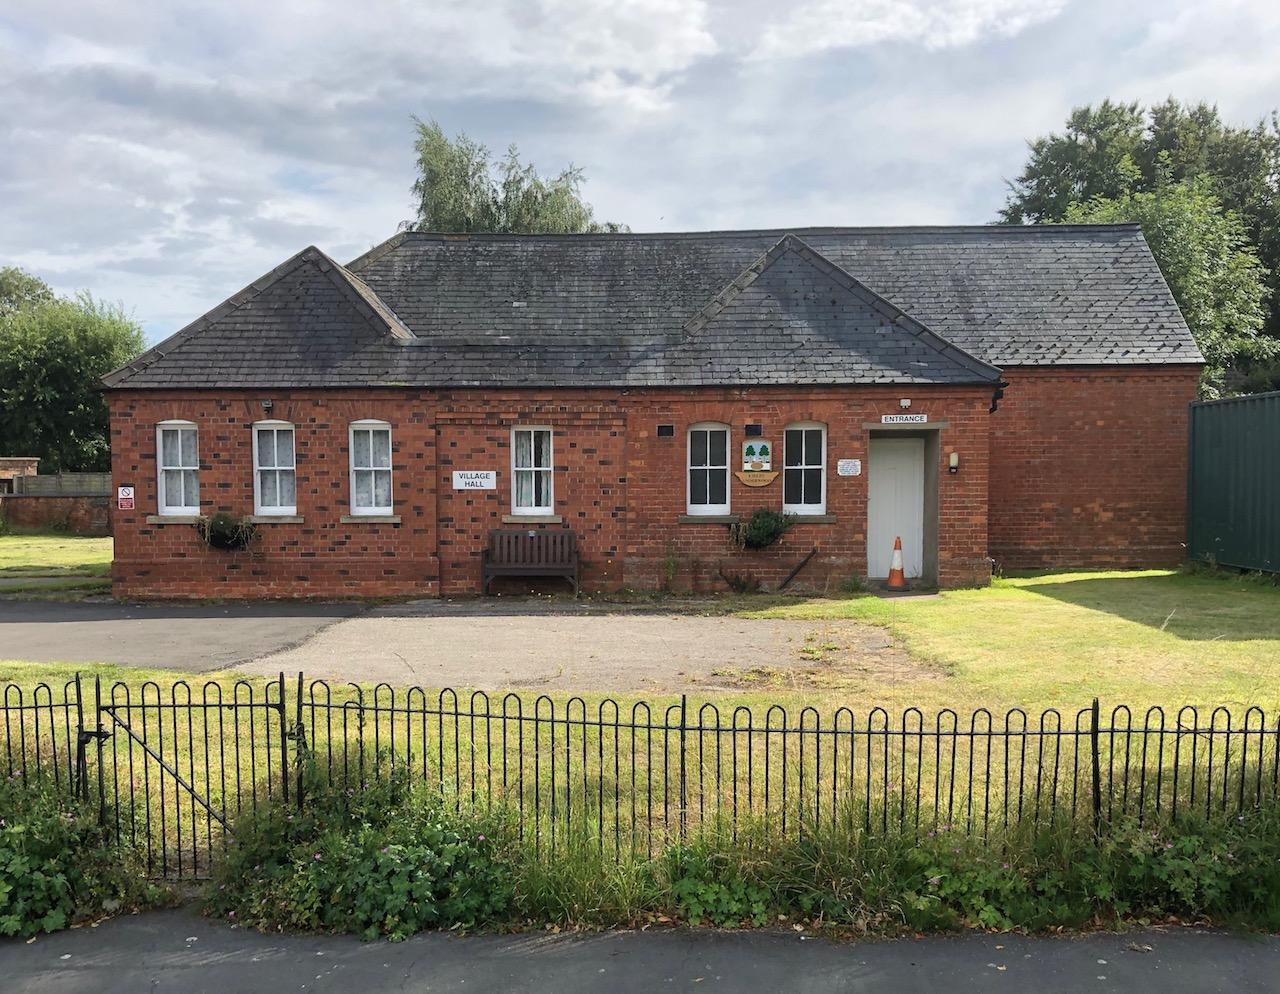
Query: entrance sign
point(124, 498)
point(904, 419)
point(849, 467)
point(475, 479)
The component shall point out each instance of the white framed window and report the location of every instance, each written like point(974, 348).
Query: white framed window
point(370, 467)
point(532, 471)
point(708, 472)
point(804, 477)
point(178, 468)
point(275, 488)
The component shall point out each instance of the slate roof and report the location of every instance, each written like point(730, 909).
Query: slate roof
point(309, 314)
point(814, 305)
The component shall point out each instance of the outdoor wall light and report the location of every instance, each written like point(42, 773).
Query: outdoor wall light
point(904, 403)
point(267, 405)
point(953, 463)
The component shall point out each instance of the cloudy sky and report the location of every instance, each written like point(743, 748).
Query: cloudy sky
point(165, 154)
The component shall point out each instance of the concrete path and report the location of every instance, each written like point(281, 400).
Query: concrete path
point(195, 638)
point(176, 952)
point(499, 645)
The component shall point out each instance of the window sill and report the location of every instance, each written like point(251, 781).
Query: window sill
point(708, 519)
point(370, 519)
point(276, 519)
point(810, 519)
point(173, 519)
point(532, 519)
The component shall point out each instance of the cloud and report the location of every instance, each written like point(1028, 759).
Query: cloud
point(821, 25)
point(168, 154)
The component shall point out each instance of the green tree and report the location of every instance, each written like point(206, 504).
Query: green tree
point(1114, 149)
point(20, 289)
point(460, 188)
point(1205, 255)
point(52, 353)
point(1096, 156)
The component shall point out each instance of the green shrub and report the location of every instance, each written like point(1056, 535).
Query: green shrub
point(759, 531)
point(389, 860)
point(58, 865)
point(709, 885)
point(383, 860)
point(1226, 868)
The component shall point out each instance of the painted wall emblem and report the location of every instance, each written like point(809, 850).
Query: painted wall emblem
point(757, 456)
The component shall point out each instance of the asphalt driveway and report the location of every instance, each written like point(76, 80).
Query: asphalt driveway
point(195, 638)
point(176, 951)
point(487, 644)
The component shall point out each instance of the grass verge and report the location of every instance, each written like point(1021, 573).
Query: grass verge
point(391, 861)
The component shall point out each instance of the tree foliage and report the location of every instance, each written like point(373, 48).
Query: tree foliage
point(53, 351)
point(20, 289)
point(1117, 151)
point(1205, 255)
point(460, 188)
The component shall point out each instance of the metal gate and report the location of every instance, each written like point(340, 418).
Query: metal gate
point(171, 768)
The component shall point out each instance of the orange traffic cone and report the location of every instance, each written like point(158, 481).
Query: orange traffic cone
point(897, 580)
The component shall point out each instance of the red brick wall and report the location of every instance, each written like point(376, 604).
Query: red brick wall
point(321, 556)
point(75, 515)
point(619, 486)
point(1089, 466)
point(658, 494)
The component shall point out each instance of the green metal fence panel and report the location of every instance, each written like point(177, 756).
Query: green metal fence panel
point(1233, 492)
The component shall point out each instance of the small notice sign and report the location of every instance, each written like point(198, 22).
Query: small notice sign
point(475, 479)
point(124, 498)
point(904, 419)
point(849, 467)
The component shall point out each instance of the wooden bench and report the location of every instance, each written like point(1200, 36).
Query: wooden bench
point(530, 552)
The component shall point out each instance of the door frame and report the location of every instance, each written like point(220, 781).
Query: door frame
point(932, 435)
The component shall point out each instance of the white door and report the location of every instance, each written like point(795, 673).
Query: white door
point(895, 504)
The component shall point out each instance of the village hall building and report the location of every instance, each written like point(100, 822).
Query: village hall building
point(1007, 397)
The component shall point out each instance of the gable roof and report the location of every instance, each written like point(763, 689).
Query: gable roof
point(794, 303)
point(634, 310)
point(308, 310)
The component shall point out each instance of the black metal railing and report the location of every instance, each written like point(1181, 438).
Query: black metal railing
point(171, 767)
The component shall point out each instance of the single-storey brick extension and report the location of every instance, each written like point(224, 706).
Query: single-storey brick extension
point(1007, 394)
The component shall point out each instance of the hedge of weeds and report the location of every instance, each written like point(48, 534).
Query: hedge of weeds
point(58, 865)
point(386, 858)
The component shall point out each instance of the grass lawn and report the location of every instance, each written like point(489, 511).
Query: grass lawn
point(1140, 638)
point(43, 566)
point(54, 555)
